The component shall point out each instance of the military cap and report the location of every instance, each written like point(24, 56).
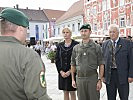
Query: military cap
point(15, 16)
point(85, 26)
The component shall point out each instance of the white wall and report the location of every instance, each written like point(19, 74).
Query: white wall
point(32, 31)
point(70, 21)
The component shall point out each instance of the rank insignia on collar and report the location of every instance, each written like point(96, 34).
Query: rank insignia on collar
point(120, 46)
point(42, 79)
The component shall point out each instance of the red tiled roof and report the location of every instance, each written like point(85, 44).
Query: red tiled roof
point(53, 14)
point(75, 10)
point(33, 15)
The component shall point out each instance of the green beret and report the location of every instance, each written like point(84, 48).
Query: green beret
point(15, 16)
point(85, 26)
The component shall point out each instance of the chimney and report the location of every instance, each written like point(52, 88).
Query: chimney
point(17, 6)
point(39, 8)
point(26, 7)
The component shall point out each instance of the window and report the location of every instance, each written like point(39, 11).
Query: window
point(54, 32)
point(78, 26)
point(95, 27)
point(37, 32)
point(105, 25)
point(106, 20)
point(128, 21)
point(88, 13)
point(108, 4)
point(73, 27)
point(43, 27)
point(104, 5)
point(58, 31)
point(94, 10)
point(122, 21)
point(43, 35)
point(122, 2)
point(46, 30)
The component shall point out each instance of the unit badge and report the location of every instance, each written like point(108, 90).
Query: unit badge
point(42, 79)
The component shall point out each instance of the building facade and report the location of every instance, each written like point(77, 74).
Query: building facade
point(73, 19)
point(73, 23)
point(101, 13)
point(38, 30)
point(53, 16)
point(38, 24)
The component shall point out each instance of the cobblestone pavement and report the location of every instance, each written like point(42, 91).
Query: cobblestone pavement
point(52, 83)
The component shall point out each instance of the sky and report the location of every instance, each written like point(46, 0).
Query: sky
point(35, 4)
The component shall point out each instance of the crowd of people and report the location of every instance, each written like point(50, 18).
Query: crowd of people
point(22, 71)
point(40, 49)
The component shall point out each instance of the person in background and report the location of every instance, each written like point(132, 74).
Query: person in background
point(53, 47)
point(129, 38)
point(38, 48)
point(48, 49)
point(63, 59)
point(22, 72)
point(118, 64)
point(86, 58)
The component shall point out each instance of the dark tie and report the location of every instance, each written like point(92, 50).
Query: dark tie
point(113, 55)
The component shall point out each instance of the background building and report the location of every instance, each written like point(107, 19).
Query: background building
point(73, 18)
point(53, 16)
point(101, 13)
point(38, 24)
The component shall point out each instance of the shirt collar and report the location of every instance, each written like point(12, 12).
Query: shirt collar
point(87, 44)
point(115, 40)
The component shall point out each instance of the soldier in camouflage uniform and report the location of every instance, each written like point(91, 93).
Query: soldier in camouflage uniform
point(22, 72)
point(86, 57)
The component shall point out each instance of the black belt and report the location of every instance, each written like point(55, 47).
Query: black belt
point(86, 73)
point(113, 68)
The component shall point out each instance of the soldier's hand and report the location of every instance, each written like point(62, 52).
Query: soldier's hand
point(130, 80)
point(74, 84)
point(99, 85)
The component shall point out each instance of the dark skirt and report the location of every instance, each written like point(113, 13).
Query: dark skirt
point(65, 83)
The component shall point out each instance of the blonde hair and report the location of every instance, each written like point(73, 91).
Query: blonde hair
point(67, 30)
